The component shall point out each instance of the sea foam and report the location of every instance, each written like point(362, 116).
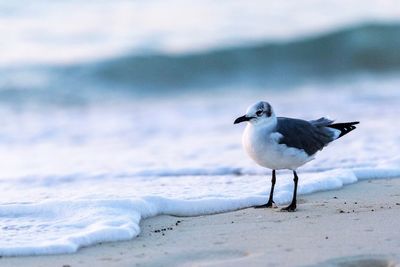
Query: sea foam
point(90, 174)
point(64, 226)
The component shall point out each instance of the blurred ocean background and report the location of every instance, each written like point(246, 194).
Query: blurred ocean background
point(113, 111)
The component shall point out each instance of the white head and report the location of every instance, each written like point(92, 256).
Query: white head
point(257, 114)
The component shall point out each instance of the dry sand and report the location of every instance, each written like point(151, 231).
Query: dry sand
point(356, 226)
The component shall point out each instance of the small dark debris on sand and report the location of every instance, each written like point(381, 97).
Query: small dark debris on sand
point(170, 228)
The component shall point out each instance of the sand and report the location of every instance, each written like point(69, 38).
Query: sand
point(358, 225)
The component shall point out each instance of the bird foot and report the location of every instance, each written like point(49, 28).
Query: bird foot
point(290, 208)
point(270, 204)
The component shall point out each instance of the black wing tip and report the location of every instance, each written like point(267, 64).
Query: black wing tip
point(344, 127)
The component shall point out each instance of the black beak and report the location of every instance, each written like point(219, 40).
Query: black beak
point(241, 119)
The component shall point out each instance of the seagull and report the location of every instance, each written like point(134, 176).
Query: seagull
point(281, 143)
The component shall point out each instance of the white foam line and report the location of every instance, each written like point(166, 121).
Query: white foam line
point(105, 220)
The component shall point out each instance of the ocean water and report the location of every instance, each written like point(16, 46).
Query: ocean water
point(104, 124)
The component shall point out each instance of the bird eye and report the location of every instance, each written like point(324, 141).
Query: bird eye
point(259, 112)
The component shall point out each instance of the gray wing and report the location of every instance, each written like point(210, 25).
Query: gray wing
point(311, 136)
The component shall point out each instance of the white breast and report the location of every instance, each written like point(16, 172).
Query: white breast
point(262, 145)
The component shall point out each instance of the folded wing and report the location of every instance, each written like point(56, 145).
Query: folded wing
point(311, 136)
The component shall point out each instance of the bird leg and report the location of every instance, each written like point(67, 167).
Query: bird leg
point(292, 206)
point(270, 203)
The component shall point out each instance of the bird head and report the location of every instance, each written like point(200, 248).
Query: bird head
point(258, 113)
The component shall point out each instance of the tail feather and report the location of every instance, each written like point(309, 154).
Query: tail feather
point(344, 127)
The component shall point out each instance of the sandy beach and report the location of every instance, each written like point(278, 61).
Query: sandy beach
point(355, 226)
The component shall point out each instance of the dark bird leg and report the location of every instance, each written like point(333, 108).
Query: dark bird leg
point(292, 206)
point(270, 203)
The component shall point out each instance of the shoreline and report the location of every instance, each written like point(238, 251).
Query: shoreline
point(356, 223)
